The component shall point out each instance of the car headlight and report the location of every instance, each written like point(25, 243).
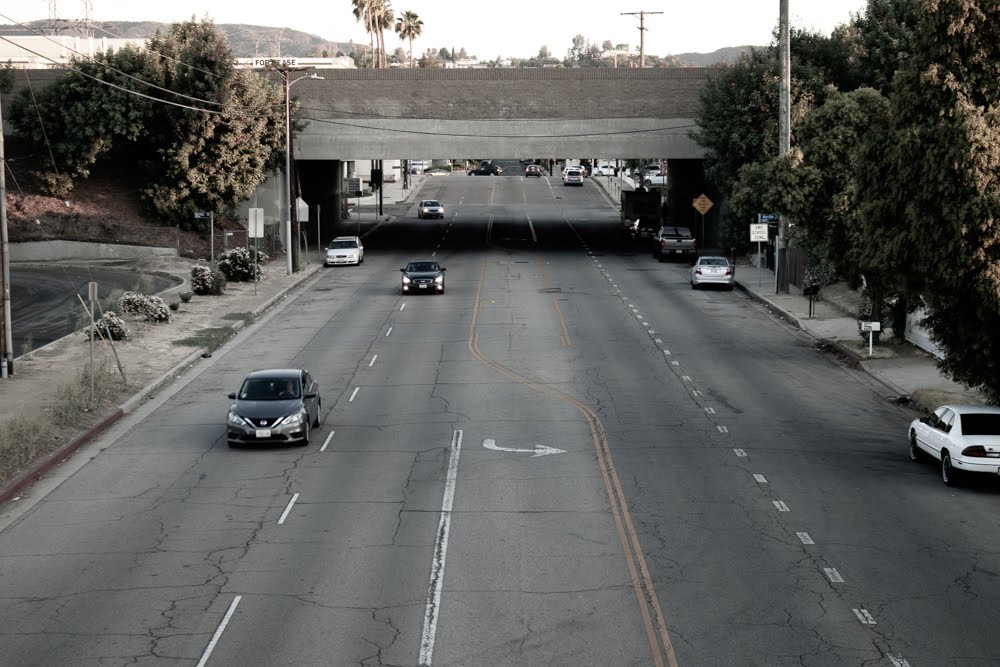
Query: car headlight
point(294, 419)
point(406, 280)
point(236, 420)
point(439, 280)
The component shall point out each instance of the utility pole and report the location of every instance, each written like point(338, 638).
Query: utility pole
point(642, 33)
point(7, 344)
point(784, 142)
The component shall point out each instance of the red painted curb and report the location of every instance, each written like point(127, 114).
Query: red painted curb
point(36, 472)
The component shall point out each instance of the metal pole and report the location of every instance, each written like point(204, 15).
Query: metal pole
point(7, 363)
point(784, 141)
point(211, 227)
point(288, 174)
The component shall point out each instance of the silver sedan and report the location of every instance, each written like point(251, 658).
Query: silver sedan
point(712, 270)
point(430, 208)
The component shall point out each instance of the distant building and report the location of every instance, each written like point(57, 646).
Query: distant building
point(56, 51)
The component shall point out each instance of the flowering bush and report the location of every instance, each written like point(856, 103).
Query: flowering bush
point(241, 264)
point(112, 323)
point(206, 281)
point(150, 308)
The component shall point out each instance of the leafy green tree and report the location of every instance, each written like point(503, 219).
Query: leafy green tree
point(881, 39)
point(941, 162)
point(202, 133)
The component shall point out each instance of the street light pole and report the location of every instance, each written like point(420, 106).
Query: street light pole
point(288, 161)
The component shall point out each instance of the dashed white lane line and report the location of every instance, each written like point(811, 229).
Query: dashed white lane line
point(740, 452)
point(804, 538)
point(675, 363)
point(403, 306)
point(373, 361)
point(353, 394)
point(666, 353)
point(388, 332)
point(696, 393)
point(760, 478)
point(433, 609)
point(658, 341)
point(724, 429)
point(686, 378)
point(710, 410)
point(780, 505)
point(327, 441)
point(864, 616)
point(832, 574)
point(218, 631)
point(898, 660)
point(288, 508)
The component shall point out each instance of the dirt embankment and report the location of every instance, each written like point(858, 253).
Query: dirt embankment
point(104, 208)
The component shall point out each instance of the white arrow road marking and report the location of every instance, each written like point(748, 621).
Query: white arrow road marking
point(539, 450)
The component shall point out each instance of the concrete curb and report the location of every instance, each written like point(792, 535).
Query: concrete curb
point(847, 353)
point(38, 470)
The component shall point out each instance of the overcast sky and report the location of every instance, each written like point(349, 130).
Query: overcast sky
point(516, 28)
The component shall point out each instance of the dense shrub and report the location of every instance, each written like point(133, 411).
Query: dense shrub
point(241, 264)
point(150, 308)
point(112, 323)
point(206, 281)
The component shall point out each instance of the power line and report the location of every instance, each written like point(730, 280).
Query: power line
point(642, 33)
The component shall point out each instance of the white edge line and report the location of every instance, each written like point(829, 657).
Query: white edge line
point(218, 631)
point(327, 441)
point(431, 611)
point(291, 503)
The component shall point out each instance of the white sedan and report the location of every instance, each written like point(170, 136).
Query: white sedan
point(708, 270)
point(962, 438)
point(345, 250)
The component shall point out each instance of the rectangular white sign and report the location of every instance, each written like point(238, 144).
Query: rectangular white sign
point(256, 223)
point(871, 326)
point(758, 232)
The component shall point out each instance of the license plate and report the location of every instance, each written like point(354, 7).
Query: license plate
point(678, 251)
point(263, 433)
point(422, 286)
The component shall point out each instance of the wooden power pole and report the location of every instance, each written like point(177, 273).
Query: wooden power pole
point(642, 33)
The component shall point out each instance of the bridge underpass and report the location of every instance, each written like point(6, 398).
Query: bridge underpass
point(373, 114)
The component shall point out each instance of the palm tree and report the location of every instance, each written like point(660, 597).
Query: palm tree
point(363, 13)
point(383, 19)
point(409, 26)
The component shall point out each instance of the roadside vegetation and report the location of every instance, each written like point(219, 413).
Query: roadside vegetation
point(24, 440)
point(892, 181)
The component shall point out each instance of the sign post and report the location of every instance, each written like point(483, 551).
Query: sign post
point(758, 233)
point(210, 216)
point(871, 328)
point(702, 204)
point(354, 187)
point(255, 230)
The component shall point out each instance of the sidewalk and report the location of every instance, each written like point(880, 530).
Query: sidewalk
point(911, 373)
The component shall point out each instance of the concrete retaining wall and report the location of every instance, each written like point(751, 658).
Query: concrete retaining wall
point(46, 251)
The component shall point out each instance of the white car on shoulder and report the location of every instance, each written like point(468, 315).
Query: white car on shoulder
point(961, 438)
point(345, 250)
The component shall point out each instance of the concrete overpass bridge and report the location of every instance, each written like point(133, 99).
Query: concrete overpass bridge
point(362, 114)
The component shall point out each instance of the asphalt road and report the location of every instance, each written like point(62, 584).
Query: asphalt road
point(44, 303)
point(723, 492)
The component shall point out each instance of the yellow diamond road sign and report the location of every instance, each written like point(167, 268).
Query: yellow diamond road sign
point(702, 203)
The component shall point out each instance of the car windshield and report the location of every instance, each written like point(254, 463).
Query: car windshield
point(343, 244)
point(421, 267)
point(977, 423)
point(269, 389)
point(713, 261)
point(431, 202)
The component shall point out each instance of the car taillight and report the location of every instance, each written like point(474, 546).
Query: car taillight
point(975, 451)
point(698, 271)
point(729, 272)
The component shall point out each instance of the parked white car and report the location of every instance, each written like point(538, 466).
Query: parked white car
point(345, 250)
point(961, 438)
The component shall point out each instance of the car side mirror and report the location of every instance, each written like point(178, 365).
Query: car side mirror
point(443, 269)
point(403, 270)
point(311, 394)
point(232, 395)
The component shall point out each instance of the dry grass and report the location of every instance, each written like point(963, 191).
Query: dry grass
point(24, 440)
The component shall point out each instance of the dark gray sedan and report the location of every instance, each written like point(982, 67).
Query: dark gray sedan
point(276, 407)
point(425, 277)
